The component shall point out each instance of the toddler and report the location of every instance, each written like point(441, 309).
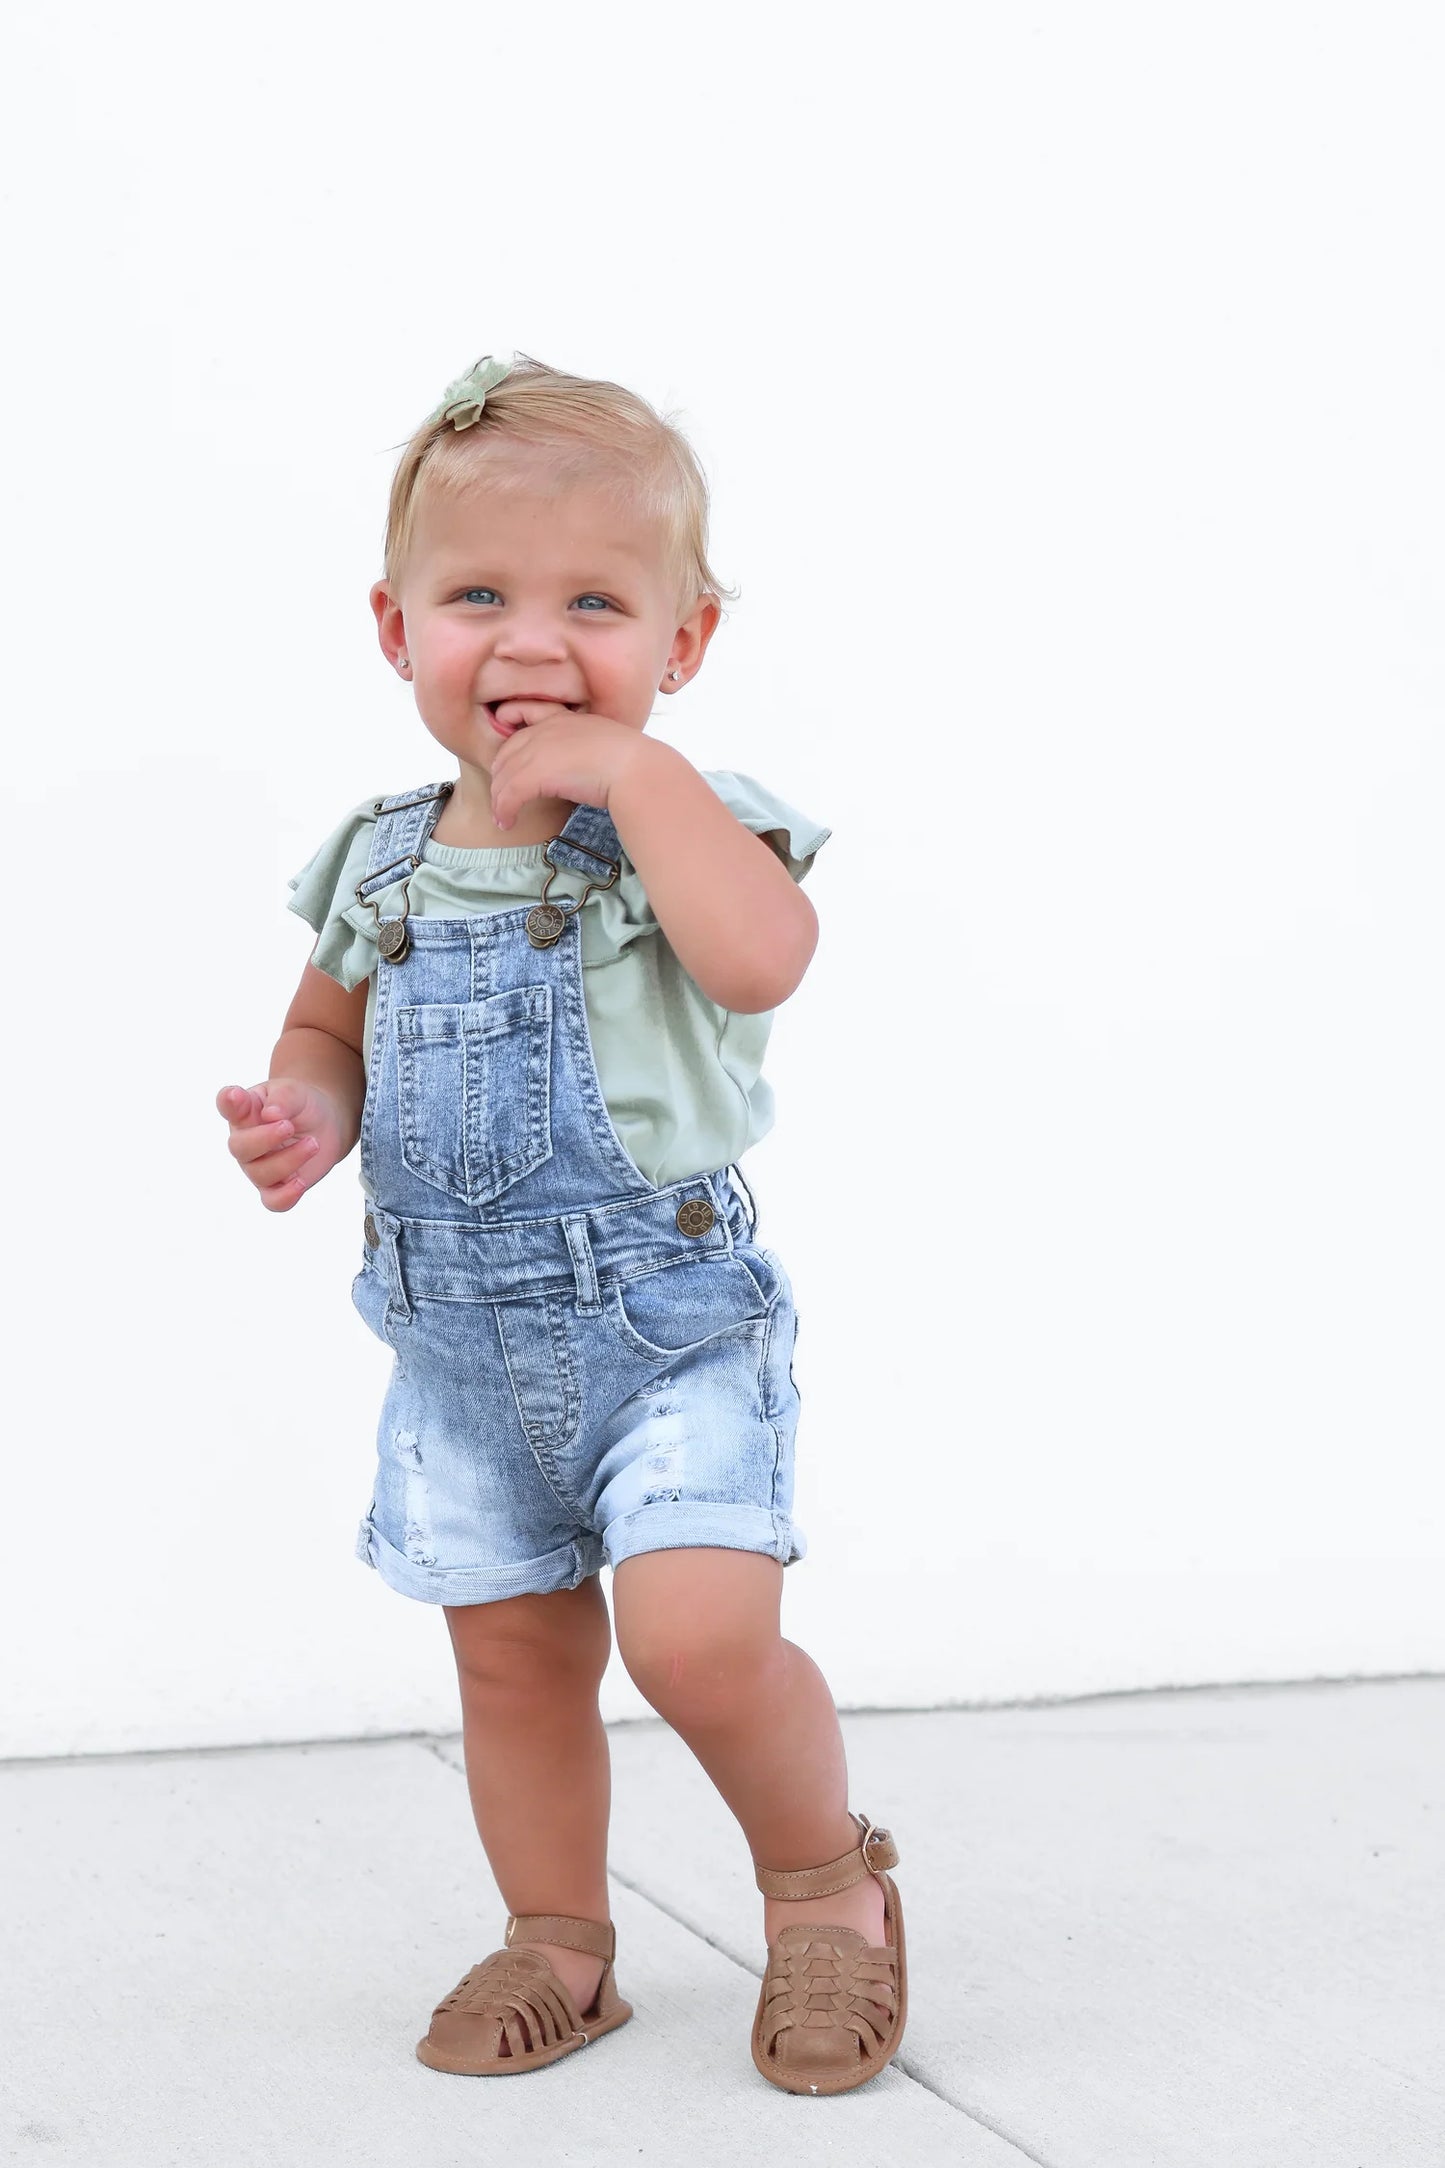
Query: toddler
point(592, 1355)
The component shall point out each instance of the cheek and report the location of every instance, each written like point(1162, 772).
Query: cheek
point(627, 667)
point(453, 650)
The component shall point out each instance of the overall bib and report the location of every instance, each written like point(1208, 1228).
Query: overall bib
point(586, 1365)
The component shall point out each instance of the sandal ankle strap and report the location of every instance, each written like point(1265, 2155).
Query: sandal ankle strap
point(876, 1851)
point(598, 1938)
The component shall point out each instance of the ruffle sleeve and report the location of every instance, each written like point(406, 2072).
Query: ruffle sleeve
point(624, 912)
point(795, 836)
point(324, 894)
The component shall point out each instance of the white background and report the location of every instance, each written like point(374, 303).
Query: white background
point(1069, 381)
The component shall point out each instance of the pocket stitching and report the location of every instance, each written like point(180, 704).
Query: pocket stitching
point(480, 1175)
point(628, 1333)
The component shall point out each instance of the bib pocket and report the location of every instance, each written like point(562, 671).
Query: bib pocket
point(661, 1315)
point(474, 1084)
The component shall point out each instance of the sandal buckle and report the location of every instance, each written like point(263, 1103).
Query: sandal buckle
point(872, 1831)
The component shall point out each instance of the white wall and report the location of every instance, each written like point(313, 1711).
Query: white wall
point(1069, 380)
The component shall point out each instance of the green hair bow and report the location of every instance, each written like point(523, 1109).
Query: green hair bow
point(463, 401)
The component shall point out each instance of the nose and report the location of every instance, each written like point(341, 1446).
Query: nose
point(527, 637)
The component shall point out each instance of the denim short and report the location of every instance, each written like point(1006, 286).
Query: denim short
point(527, 1435)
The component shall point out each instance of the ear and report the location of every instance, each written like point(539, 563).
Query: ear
point(689, 643)
point(390, 628)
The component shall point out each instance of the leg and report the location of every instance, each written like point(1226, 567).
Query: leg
point(537, 1764)
point(699, 1633)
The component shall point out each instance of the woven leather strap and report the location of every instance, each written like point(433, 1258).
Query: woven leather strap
point(517, 1997)
point(598, 1938)
point(876, 1851)
point(827, 2000)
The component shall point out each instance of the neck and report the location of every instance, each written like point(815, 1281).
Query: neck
point(466, 819)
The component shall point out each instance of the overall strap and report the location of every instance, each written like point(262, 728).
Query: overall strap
point(405, 820)
point(587, 843)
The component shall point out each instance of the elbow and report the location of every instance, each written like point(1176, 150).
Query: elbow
point(758, 995)
point(760, 1005)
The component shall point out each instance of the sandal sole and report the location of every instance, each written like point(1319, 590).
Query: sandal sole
point(846, 2081)
point(509, 2066)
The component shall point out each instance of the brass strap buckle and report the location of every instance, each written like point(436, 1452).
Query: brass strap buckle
point(429, 798)
point(545, 921)
point(392, 938)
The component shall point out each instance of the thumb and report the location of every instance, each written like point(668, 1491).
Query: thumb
point(235, 1103)
point(279, 1096)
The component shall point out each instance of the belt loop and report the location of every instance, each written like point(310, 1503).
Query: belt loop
point(388, 1226)
point(584, 1265)
point(734, 1168)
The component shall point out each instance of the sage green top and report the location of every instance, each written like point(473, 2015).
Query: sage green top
point(682, 1078)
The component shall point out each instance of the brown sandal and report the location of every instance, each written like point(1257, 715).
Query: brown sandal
point(515, 1995)
point(832, 2008)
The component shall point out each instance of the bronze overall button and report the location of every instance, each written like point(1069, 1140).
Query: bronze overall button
point(544, 924)
point(696, 1216)
point(369, 1230)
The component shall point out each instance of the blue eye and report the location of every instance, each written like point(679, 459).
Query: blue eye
point(596, 598)
point(480, 591)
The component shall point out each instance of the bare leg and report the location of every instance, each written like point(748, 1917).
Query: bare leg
point(536, 1752)
point(699, 1633)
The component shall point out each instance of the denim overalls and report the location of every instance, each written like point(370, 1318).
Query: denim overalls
point(585, 1365)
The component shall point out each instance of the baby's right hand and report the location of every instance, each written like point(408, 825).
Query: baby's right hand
point(284, 1135)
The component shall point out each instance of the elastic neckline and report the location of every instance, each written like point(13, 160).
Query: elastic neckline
point(477, 855)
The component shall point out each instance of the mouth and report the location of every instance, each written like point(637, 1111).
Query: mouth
point(512, 701)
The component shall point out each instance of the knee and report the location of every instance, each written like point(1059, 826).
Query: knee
point(538, 1646)
point(699, 1671)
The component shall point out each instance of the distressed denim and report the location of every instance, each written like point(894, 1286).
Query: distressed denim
point(584, 1365)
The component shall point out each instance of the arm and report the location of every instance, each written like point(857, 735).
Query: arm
point(320, 1044)
point(291, 1130)
point(741, 926)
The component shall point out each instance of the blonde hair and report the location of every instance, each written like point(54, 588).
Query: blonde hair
point(597, 432)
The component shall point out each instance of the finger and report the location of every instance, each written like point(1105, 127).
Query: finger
point(238, 1104)
point(283, 1097)
point(508, 796)
point(532, 711)
point(280, 1196)
point(274, 1188)
point(277, 1169)
point(272, 1141)
point(261, 1102)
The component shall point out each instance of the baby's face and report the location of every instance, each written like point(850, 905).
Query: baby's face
point(531, 594)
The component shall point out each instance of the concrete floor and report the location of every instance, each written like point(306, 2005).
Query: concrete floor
point(1204, 1927)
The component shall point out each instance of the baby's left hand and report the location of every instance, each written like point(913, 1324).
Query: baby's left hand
point(562, 753)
